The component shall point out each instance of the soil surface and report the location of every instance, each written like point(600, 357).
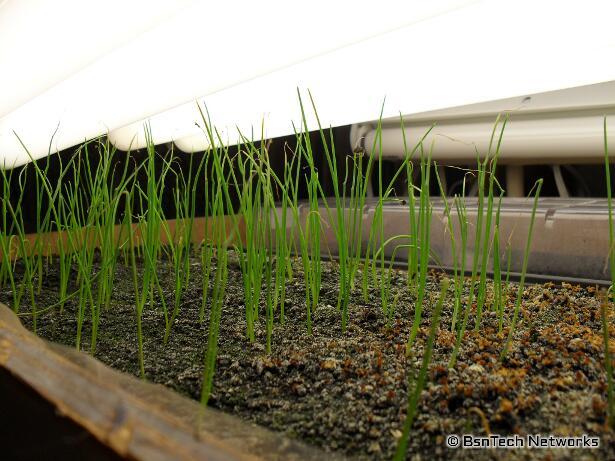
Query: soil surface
point(347, 392)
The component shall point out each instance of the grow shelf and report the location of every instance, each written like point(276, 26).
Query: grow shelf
point(139, 420)
point(571, 240)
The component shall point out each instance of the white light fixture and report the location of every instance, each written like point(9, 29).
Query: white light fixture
point(244, 60)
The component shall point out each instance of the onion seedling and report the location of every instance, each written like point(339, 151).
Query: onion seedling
point(184, 195)
point(498, 301)
point(407, 167)
point(493, 161)
point(7, 237)
point(24, 252)
point(347, 221)
point(413, 249)
point(283, 241)
point(52, 211)
point(207, 245)
point(249, 260)
point(419, 383)
point(477, 239)
point(150, 225)
point(104, 200)
point(313, 224)
point(481, 236)
point(218, 293)
point(135, 280)
point(251, 203)
point(526, 255)
point(80, 240)
point(263, 175)
point(458, 267)
point(462, 218)
point(302, 234)
point(389, 310)
point(424, 223)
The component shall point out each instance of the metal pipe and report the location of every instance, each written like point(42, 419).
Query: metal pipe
point(527, 139)
point(562, 190)
point(555, 127)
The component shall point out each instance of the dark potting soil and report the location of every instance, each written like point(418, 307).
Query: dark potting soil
point(347, 392)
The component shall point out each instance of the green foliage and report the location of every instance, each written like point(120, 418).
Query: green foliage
point(414, 395)
point(526, 256)
point(256, 215)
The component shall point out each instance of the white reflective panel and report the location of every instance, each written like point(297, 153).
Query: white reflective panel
point(220, 43)
point(289, 38)
point(453, 68)
point(43, 42)
point(246, 67)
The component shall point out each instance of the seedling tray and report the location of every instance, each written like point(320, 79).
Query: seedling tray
point(129, 418)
